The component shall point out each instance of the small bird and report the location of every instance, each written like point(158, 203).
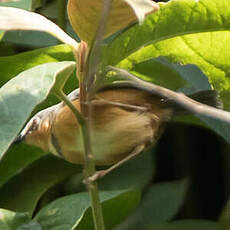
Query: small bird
point(124, 118)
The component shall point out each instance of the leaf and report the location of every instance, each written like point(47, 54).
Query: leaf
point(142, 7)
point(1, 34)
point(172, 75)
point(188, 225)
point(33, 182)
point(17, 158)
point(23, 4)
point(159, 204)
point(71, 212)
point(135, 176)
point(18, 19)
point(28, 89)
point(23, 61)
point(84, 15)
point(176, 18)
point(224, 216)
point(15, 221)
point(28, 39)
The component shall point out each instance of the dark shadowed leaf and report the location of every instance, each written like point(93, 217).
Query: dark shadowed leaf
point(16, 158)
point(187, 225)
point(22, 192)
point(132, 174)
point(159, 204)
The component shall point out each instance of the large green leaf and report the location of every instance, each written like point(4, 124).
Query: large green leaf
point(175, 18)
point(16, 221)
point(159, 204)
point(31, 183)
point(20, 95)
point(189, 18)
point(193, 49)
point(72, 212)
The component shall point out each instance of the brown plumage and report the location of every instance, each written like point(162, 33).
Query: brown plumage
point(123, 118)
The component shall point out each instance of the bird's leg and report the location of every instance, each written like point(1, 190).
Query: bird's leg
point(101, 173)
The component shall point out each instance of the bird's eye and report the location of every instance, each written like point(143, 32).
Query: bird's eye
point(35, 124)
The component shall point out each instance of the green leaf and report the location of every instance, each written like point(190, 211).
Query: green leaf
point(16, 158)
point(1, 34)
point(159, 204)
point(188, 225)
point(29, 39)
point(72, 211)
point(20, 95)
point(135, 176)
point(23, 4)
point(33, 182)
point(174, 76)
point(19, 19)
point(175, 18)
point(15, 64)
point(13, 221)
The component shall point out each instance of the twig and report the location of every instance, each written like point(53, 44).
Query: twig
point(77, 114)
point(89, 165)
point(95, 52)
point(187, 103)
point(87, 80)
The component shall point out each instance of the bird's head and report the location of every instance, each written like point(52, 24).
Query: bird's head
point(37, 131)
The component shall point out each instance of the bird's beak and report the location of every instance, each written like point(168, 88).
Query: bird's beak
point(19, 139)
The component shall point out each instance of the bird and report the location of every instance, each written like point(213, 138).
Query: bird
point(126, 120)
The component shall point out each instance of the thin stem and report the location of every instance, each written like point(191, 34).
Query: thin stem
point(77, 114)
point(89, 168)
point(185, 102)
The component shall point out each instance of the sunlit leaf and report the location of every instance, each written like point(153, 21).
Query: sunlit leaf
point(176, 18)
point(84, 15)
point(23, 61)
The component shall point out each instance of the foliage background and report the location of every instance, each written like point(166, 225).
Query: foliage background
point(184, 151)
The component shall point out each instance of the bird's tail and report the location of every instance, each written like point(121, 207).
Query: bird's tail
point(208, 97)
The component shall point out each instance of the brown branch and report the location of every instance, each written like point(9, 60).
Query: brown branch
point(95, 52)
point(187, 103)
